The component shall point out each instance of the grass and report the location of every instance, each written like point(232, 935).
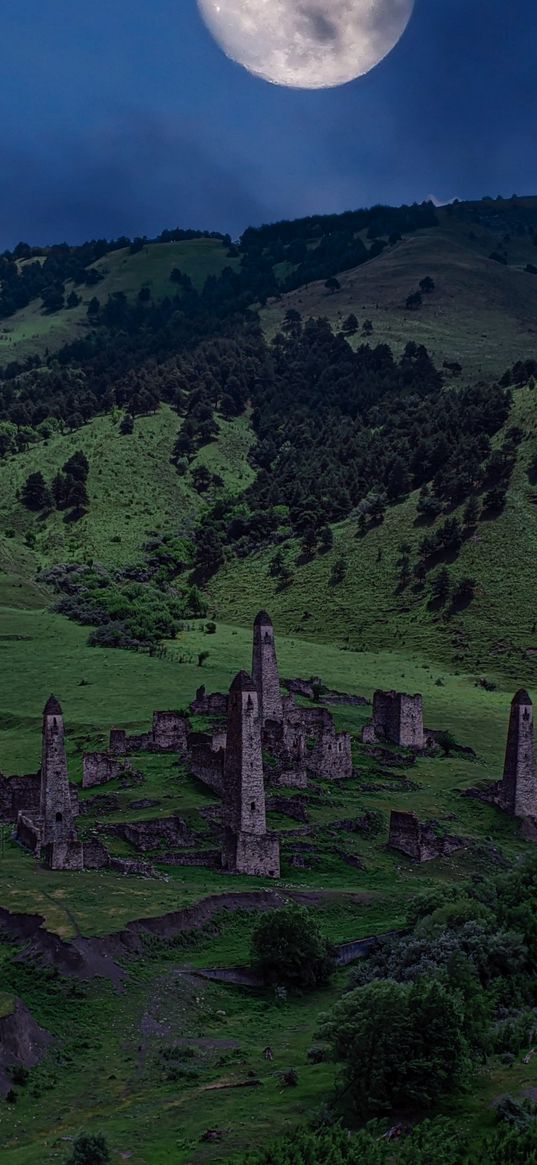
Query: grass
point(133, 487)
point(31, 332)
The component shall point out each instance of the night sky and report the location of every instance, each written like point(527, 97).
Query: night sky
point(124, 117)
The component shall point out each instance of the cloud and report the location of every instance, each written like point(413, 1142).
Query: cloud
point(134, 175)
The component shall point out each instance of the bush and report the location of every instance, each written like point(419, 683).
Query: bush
point(402, 1046)
point(88, 1150)
point(289, 949)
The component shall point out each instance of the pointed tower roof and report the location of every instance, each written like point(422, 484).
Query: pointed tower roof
point(243, 683)
point(522, 698)
point(53, 707)
point(263, 619)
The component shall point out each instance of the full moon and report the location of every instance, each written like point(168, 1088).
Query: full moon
point(307, 44)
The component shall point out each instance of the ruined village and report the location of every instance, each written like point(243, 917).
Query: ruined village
point(268, 734)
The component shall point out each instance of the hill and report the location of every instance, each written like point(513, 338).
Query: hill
point(481, 314)
point(35, 331)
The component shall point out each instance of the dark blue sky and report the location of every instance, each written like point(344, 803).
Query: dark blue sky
point(124, 117)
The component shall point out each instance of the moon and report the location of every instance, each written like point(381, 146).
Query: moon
point(307, 44)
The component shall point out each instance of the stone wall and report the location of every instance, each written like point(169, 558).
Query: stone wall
point(209, 703)
point(118, 742)
point(170, 732)
point(157, 833)
point(397, 718)
point(207, 762)
point(19, 794)
point(28, 832)
point(64, 855)
point(420, 841)
point(98, 768)
point(331, 758)
point(257, 855)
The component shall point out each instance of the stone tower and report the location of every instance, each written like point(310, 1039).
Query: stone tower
point(55, 806)
point(518, 790)
point(265, 669)
point(248, 848)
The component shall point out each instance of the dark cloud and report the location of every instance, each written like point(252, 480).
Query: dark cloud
point(130, 177)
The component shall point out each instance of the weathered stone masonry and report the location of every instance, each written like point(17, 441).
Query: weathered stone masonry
point(265, 670)
point(248, 848)
point(517, 792)
point(397, 718)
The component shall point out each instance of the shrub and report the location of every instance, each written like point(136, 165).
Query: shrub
point(289, 948)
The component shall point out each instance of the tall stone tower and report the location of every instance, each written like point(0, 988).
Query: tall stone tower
point(55, 807)
point(265, 669)
point(248, 848)
point(518, 790)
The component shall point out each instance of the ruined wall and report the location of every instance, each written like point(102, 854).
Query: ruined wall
point(98, 768)
point(207, 761)
point(118, 742)
point(19, 794)
point(209, 704)
point(170, 732)
point(64, 855)
point(256, 856)
point(517, 792)
point(420, 841)
point(331, 758)
point(28, 832)
point(397, 718)
point(95, 856)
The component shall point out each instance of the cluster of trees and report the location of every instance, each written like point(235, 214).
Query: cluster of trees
point(67, 490)
point(134, 608)
point(425, 1011)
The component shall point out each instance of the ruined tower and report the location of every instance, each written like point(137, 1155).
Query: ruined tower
point(57, 823)
point(518, 789)
point(265, 670)
point(248, 848)
point(397, 718)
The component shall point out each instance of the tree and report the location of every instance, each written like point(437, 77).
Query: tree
point(90, 1150)
point(471, 512)
point(52, 298)
point(35, 494)
point(203, 657)
point(326, 539)
point(332, 285)
point(464, 592)
point(127, 425)
point(367, 328)
point(94, 308)
point(290, 950)
point(495, 499)
point(350, 326)
point(398, 480)
point(414, 300)
point(440, 586)
point(73, 300)
point(402, 1046)
point(427, 285)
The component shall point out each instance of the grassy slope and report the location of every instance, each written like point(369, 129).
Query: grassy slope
point(133, 489)
point(30, 331)
point(366, 610)
point(482, 314)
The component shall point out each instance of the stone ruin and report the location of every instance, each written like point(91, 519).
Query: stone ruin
point(169, 733)
point(516, 793)
point(420, 840)
point(247, 847)
point(50, 832)
point(397, 719)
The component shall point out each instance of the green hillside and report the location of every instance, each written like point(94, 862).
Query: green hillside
point(482, 313)
point(34, 331)
point(367, 610)
point(134, 490)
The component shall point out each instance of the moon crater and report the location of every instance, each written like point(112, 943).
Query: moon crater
point(307, 44)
